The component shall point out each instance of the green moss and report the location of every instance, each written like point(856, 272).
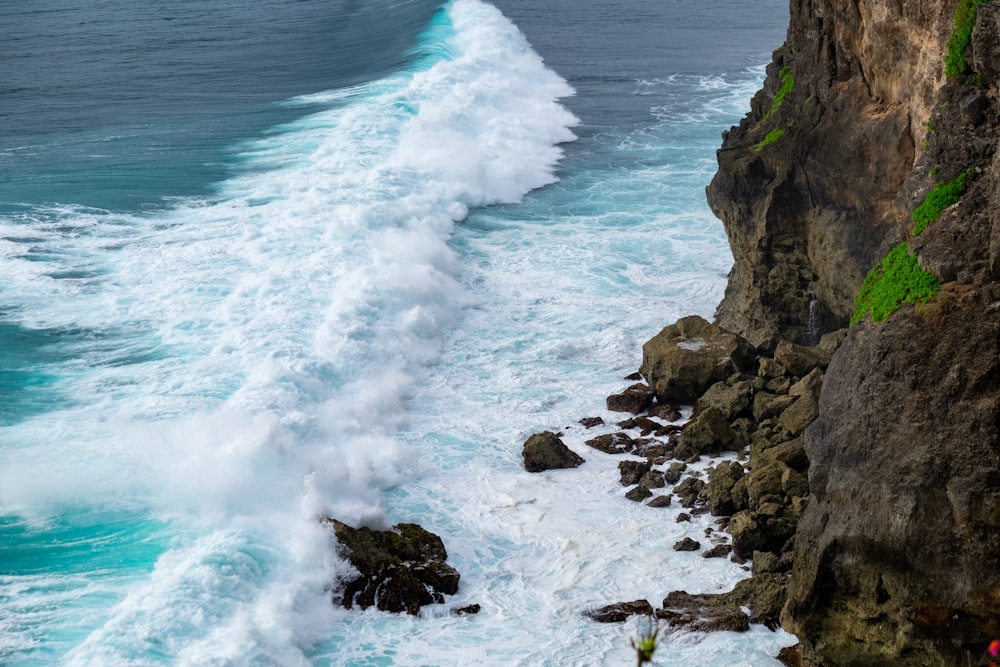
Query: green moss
point(965, 19)
point(788, 82)
point(941, 197)
point(771, 137)
point(898, 279)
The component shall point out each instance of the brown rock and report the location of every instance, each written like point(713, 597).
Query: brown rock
point(620, 612)
point(687, 357)
point(546, 451)
point(687, 544)
point(661, 501)
point(719, 490)
point(632, 471)
point(635, 399)
point(612, 443)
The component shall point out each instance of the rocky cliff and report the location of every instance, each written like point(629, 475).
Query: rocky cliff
point(858, 142)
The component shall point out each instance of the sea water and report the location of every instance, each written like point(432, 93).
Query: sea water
point(262, 264)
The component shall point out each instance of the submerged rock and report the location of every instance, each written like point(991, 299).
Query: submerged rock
point(399, 570)
point(620, 612)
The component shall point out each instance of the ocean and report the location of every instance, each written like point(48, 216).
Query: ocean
point(263, 263)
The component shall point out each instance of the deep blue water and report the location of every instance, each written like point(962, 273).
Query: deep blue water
point(265, 262)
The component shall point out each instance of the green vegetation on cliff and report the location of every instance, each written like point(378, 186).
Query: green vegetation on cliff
point(898, 279)
point(941, 197)
point(965, 19)
point(788, 82)
point(771, 137)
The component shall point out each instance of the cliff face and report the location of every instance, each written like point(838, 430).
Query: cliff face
point(897, 555)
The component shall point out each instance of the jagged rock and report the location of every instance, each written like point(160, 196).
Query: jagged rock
point(770, 369)
point(638, 494)
point(468, 610)
point(703, 613)
point(674, 472)
point(398, 570)
point(612, 443)
point(809, 385)
point(591, 422)
point(764, 483)
point(718, 551)
point(767, 562)
point(635, 399)
point(767, 405)
point(689, 491)
point(791, 452)
point(799, 415)
point(682, 517)
point(791, 656)
point(654, 451)
point(800, 360)
point(546, 451)
point(620, 611)
point(653, 479)
point(709, 431)
point(660, 501)
point(632, 471)
point(747, 534)
point(687, 357)
point(730, 397)
point(687, 544)
point(719, 490)
point(665, 411)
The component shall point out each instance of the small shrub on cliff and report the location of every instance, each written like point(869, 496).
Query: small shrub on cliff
point(898, 279)
point(645, 643)
point(788, 82)
point(941, 197)
point(771, 137)
point(965, 19)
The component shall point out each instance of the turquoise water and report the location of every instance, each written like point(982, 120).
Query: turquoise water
point(302, 259)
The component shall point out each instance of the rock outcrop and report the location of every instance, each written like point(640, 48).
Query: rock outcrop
point(398, 570)
point(857, 128)
point(546, 451)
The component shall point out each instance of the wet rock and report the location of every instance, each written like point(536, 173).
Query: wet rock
point(703, 613)
point(638, 494)
point(468, 610)
point(632, 471)
point(682, 517)
point(660, 501)
point(591, 422)
point(790, 656)
point(612, 443)
point(718, 551)
point(653, 480)
point(546, 451)
point(747, 533)
point(399, 570)
point(635, 399)
point(687, 544)
point(689, 491)
point(620, 611)
point(665, 411)
point(674, 472)
point(687, 357)
point(709, 431)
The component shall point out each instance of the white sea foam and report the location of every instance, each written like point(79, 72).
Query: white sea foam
point(320, 338)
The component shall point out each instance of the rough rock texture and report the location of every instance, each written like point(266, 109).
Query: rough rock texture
point(399, 570)
point(897, 552)
point(687, 357)
point(546, 451)
point(810, 213)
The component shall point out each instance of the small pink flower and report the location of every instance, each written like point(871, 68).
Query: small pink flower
point(994, 649)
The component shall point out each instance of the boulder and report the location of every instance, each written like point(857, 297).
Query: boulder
point(718, 551)
point(546, 451)
point(748, 535)
point(709, 431)
point(638, 494)
point(635, 399)
point(661, 501)
point(665, 411)
point(730, 397)
point(703, 613)
point(689, 491)
point(654, 479)
point(799, 359)
point(719, 490)
point(674, 472)
point(631, 472)
point(687, 357)
point(398, 570)
point(687, 544)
